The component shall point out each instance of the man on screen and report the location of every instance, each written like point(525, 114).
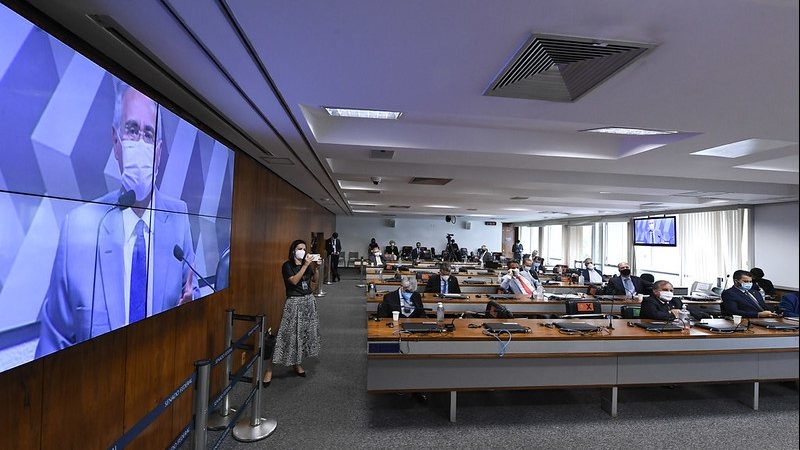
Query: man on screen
point(114, 264)
point(652, 234)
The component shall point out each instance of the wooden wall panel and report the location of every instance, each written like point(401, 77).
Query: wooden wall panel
point(21, 411)
point(88, 395)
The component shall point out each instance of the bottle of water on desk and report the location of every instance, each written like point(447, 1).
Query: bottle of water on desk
point(539, 292)
point(684, 317)
point(439, 312)
point(371, 290)
point(580, 279)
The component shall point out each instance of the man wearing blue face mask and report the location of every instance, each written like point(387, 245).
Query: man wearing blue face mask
point(406, 300)
point(115, 261)
point(742, 300)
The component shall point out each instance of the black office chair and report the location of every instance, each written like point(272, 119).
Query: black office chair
point(405, 252)
point(630, 312)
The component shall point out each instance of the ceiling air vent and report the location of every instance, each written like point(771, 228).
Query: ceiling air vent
point(372, 191)
point(519, 198)
point(381, 154)
point(562, 68)
point(430, 181)
point(400, 206)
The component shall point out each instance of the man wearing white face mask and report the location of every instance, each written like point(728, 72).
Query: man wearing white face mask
point(125, 270)
point(661, 304)
point(742, 299)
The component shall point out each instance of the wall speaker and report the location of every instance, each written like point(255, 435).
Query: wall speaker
point(467, 225)
point(448, 219)
point(390, 223)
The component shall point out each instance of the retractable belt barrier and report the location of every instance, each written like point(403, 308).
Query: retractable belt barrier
point(256, 428)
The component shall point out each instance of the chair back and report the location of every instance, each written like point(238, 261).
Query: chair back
point(582, 307)
point(630, 312)
point(352, 257)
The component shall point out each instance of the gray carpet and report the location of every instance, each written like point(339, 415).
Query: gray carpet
point(331, 408)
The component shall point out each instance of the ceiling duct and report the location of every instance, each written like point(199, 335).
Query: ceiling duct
point(430, 181)
point(381, 154)
point(562, 68)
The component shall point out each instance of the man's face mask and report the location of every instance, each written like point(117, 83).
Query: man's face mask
point(137, 167)
point(665, 296)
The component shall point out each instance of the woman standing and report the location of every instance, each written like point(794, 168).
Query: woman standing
point(298, 335)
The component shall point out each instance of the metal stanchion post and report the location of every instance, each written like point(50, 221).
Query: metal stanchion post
point(203, 369)
point(363, 271)
point(327, 266)
point(320, 292)
point(257, 427)
point(220, 419)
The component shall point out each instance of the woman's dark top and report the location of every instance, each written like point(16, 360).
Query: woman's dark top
point(766, 285)
point(304, 286)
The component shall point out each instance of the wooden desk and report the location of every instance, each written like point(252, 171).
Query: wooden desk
point(467, 359)
point(467, 288)
point(519, 305)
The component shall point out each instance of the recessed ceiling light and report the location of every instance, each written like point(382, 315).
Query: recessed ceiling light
point(515, 209)
point(441, 206)
point(743, 148)
point(629, 131)
point(362, 113)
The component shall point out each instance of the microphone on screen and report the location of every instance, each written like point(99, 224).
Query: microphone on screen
point(177, 252)
point(124, 201)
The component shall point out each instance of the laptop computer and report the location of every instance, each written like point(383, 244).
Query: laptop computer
point(502, 296)
point(577, 326)
point(775, 324)
point(511, 327)
point(720, 325)
point(421, 327)
point(659, 326)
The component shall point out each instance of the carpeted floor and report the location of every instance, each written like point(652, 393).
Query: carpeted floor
point(330, 408)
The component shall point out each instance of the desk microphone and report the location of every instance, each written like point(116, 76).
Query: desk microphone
point(124, 201)
point(611, 315)
point(177, 251)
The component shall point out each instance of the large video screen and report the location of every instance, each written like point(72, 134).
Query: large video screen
point(109, 202)
point(654, 231)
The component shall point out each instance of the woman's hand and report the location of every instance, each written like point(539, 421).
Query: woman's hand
point(308, 259)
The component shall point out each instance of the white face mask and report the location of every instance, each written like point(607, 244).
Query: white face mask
point(589, 266)
point(300, 254)
point(665, 296)
point(514, 272)
point(137, 167)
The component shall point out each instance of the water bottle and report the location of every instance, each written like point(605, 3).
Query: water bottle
point(439, 312)
point(540, 292)
point(683, 316)
point(371, 290)
point(580, 279)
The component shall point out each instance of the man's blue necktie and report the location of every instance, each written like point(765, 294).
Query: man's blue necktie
point(138, 294)
point(628, 286)
point(444, 285)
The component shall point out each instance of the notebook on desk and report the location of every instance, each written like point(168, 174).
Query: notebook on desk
point(659, 326)
point(453, 296)
point(720, 326)
point(577, 326)
point(423, 327)
point(511, 327)
point(775, 324)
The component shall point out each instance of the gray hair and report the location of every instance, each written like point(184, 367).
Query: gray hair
point(120, 88)
point(659, 284)
point(408, 283)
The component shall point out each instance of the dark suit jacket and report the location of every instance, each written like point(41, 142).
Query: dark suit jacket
point(615, 286)
point(435, 284)
point(392, 249)
point(330, 248)
point(736, 302)
point(766, 285)
point(789, 305)
point(416, 253)
point(391, 302)
point(653, 308)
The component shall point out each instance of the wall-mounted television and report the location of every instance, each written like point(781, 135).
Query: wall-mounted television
point(101, 190)
point(655, 231)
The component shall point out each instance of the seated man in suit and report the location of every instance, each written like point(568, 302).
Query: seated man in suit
point(517, 281)
point(661, 304)
point(625, 284)
point(742, 299)
point(443, 283)
point(484, 255)
point(759, 282)
point(391, 252)
point(527, 266)
point(405, 299)
point(416, 252)
point(376, 259)
point(789, 305)
point(590, 274)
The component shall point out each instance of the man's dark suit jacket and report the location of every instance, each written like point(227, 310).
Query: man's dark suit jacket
point(435, 285)
point(330, 248)
point(653, 308)
point(736, 302)
point(391, 302)
point(416, 253)
point(615, 286)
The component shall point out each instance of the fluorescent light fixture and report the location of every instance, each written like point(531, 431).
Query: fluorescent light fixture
point(629, 131)
point(365, 211)
point(362, 113)
point(441, 206)
point(515, 209)
point(743, 148)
